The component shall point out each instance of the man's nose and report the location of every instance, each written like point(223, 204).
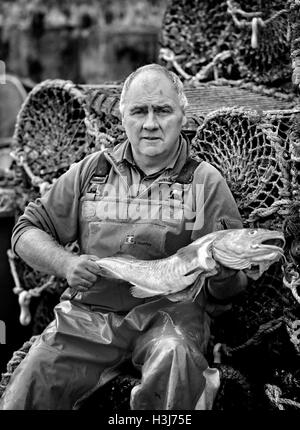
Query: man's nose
point(150, 122)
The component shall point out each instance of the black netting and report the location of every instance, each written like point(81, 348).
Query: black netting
point(197, 31)
point(252, 151)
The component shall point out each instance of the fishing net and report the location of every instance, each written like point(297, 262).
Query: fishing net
point(212, 39)
point(41, 157)
point(253, 152)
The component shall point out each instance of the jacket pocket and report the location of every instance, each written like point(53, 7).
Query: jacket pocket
point(141, 239)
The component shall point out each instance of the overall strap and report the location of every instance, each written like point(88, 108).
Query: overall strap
point(186, 174)
point(102, 170)
point(100, 176)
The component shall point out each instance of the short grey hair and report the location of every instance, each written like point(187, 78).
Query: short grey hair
point(178, 85)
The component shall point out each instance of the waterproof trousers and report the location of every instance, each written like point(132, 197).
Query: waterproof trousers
point(81, 349)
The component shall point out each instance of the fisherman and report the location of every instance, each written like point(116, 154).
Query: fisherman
point(100, 202)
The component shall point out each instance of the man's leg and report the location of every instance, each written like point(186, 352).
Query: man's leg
point(170, 355)
point(67, 361)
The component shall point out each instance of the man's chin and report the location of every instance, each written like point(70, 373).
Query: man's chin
point(151, 149)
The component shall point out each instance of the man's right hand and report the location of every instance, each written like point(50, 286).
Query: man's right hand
point(81, 271)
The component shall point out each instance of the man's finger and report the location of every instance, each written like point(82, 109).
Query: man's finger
point(93, 257)
point(81, 288)
point(92, 266)
point(88, 276)
point(84, 283)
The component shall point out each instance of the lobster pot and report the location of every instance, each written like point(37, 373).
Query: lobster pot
point(60, 123)
point(50, 124)
point(259, 36)
point(259, 158)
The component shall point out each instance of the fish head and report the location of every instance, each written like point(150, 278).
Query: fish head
point(251, 249)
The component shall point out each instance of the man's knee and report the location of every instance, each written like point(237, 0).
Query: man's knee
point(171, 345)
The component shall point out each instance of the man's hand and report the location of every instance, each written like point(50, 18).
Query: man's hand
point(81, 271)
point(224, 273)
point(40, 251)
point(227, 283)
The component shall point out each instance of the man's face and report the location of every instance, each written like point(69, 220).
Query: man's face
point(152, 115)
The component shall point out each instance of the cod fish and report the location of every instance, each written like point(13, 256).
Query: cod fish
point(252, 250)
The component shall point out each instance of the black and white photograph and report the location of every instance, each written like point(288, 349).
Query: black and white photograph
point(150, 209)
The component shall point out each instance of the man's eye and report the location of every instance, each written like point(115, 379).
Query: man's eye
point(163, 110)
point(137, 112)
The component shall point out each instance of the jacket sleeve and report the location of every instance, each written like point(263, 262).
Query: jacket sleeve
point(215, 210)
point(56, 212)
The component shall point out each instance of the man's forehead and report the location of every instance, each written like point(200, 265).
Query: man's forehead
point(148, 80)
point(144, 74)
point(155, 104)
point(152, 87)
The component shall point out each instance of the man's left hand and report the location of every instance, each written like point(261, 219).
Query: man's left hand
point(227, 283)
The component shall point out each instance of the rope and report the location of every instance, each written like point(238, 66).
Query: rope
point(295, 42)
point(293, 285)
point(294, 331)
point(16, 359)
point(35, 180)
point(103, 140)
point(259, 89)
point(259, 336)
point(170, 57)
point(206, 71)
point(7, 201)
point(274, 394)
point(26, 295)
point(234, 10)
point(13, 270)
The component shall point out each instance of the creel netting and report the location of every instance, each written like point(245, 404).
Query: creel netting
point(196, 32)
point(252, 151)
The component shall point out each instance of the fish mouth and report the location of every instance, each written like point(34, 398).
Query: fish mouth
point(272, 249)
point(274, 244)
point(255, 271)
point(278, 242)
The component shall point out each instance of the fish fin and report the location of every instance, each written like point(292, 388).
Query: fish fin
point(142, 292)
point(189, 294)
point(202, 255)
point(188, 253)
point(205, 258)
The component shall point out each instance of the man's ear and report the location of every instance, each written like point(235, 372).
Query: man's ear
point(184, 120)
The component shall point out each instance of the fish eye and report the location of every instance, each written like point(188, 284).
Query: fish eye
point(253, 232)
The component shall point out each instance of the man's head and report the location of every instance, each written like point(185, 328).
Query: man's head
point(153, 106)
